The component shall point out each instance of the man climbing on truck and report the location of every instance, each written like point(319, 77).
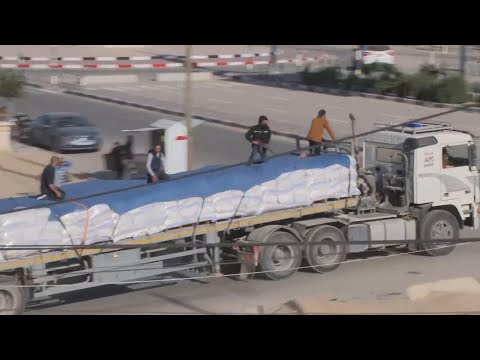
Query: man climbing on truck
point(315, 134)
point(259, 136)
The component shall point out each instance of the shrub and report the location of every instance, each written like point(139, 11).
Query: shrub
point(328, 77)
point(421, 86)
point(378, 67)
point(452, 90)
point(475, 87)
point(11, 84)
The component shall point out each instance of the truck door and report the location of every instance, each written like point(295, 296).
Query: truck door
point(457, 182)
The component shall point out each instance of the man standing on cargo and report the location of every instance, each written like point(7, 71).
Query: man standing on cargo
point(47, 182)
point(315, 134)
point(155, 167)
point(259, 136)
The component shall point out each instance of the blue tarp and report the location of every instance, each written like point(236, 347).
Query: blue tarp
point(201, 183)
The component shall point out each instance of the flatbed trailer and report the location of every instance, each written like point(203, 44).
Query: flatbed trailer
point(56, 272)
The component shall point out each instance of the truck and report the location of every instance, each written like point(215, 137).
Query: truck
point(418, 183)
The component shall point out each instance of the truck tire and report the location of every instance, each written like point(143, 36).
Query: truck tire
point(280, 261)
point(442, 225)
point(325, 248)
point(13, 300)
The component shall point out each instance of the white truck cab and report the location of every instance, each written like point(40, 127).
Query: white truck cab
point(425, 166)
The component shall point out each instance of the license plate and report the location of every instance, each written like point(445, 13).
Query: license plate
point(82, 141)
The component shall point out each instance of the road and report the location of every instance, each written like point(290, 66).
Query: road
point(377, 276)
point(384, 276)
point(213, 144)
point(289, 111)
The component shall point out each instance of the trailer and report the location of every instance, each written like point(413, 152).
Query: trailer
point(417, 182)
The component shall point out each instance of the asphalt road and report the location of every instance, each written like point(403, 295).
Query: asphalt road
point(213, 144)
point(380, 276)
point(290, 111)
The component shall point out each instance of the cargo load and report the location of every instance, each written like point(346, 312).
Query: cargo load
point(130, 209)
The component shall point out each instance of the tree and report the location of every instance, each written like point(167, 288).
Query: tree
point(11, 85)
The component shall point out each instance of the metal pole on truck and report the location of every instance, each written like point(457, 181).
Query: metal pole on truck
point(188, 103)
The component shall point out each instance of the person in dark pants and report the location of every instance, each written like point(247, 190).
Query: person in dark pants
point(47, 182)
point(155, 167)
point(259, 136)
point(315, 134)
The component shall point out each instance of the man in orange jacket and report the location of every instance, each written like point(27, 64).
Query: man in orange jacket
point(315, 134)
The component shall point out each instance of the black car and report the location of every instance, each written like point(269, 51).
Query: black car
point(65, 131)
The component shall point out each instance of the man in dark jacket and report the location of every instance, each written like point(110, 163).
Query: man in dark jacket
point(47, 182)
point(155, 167)
point(259, 136)
point(120, 154)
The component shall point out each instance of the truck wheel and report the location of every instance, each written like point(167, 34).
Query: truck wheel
point(282, 260)
point(326, 248)
point(441, 225)
point(13, 300)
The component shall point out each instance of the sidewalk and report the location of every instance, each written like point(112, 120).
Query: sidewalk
point(20, 172)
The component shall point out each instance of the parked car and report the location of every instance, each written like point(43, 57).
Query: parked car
point(65, 131)
point(369, 54)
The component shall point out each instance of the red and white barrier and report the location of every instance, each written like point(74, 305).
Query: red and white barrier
point(297, 61)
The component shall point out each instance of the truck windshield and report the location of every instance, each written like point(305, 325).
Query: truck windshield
point(387, 155)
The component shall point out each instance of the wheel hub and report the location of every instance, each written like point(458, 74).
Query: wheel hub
point(282, 257)
point(325, 251)
point(442, 230)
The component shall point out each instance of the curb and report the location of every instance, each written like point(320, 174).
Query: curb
point(330, 91)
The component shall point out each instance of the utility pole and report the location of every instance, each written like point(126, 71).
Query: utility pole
point(188, 103)
point(463, 59)
point(273, 58)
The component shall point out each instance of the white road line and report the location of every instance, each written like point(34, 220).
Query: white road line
point(218, 84)
point(110, 89)
point(129, 88)
point(219, 101)
point(277, 98)
point(394, 116)
point(233, 91)
point(276, 110)
point(328, 106)
point(338, 121)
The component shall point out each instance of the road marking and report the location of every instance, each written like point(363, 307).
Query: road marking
point(39, 90)
point(328, 106)
point(110, 89)
point(339, 121)
point(129, 88)
point(173, 87)
point(276, 110)
point(394, 116)
point(277, 98)
point(219, 101)
point(217, 84)
point(233, 91)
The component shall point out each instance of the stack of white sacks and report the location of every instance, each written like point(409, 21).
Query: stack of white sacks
point(292, 189)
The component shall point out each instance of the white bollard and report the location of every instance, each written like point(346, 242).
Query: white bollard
point(5, 130)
